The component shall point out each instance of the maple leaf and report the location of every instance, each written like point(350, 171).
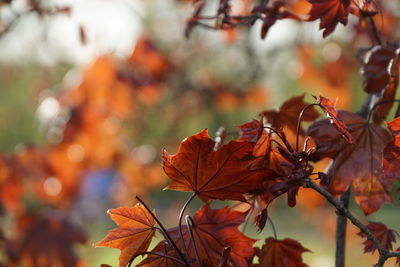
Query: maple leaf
point(385, 236)
point(288, 114)
point(381, 77)
point(221, 174)
point(330, 13)
point(251, 131)
point(254, 132)
point(378, 65)
point(281, 253)
point(358, 165)
point(213, 231)
point(50, 237)
point(391, 153)
point(134, 233)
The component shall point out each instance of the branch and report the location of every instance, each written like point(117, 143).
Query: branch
point(384, 254)
point(375, 31)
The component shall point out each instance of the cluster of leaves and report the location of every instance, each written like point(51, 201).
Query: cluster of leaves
point(264, 162)
point(262, 165)
point(87, 134)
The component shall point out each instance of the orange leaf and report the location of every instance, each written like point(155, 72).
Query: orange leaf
point(221, 174)
point(281, 253)
point(134, 234)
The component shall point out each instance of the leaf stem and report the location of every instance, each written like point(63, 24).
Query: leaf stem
point(273, 227)
point(164, 231)
point(299, 122)
point(190, 224)
point(180, 221)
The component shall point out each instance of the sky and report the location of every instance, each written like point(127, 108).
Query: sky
point(109, 26)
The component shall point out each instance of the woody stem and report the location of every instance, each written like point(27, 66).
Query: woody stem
point(384, 254)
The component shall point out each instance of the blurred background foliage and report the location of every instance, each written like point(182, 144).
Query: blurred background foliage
point(87, 105)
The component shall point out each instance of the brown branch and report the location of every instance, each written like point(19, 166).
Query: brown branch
point(375, 31)
point(384, 254)
point(341, 228)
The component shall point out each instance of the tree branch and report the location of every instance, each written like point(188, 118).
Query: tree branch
point(384, 254)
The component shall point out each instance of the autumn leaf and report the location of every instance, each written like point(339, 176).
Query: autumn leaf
point(330, 13)
point(385, 236)
point(381, 77)
point(213, 231)
point(254, 132)
point(251, 131)
point(377, 68)
point(281, 253)
point(221, 174)
point(288, 114)
point(50, 237)
point(391, 153)
point(134, 233)
point(358, 165)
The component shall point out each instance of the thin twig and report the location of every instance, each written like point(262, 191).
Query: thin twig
point(164, 231)
point(180, 221)
point(190, 224)
point(375, 31)
point(273, 227)
point(384, 254)
point(299, 122)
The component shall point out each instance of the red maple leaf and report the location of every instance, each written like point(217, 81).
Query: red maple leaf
point(385, 236)
point(213, 231)
point(358, 165)
point(288, 114)
point(330, 12)
point(281, 253)
point(221, 174)
point(134, 233)
point(381, 77)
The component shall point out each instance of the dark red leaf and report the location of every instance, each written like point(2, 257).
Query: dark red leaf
point(221, 174)
point(330, 13)
point(391, 153)
point(358, 165)
point(385, 236)
point(281, 253)
point(213, 231)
